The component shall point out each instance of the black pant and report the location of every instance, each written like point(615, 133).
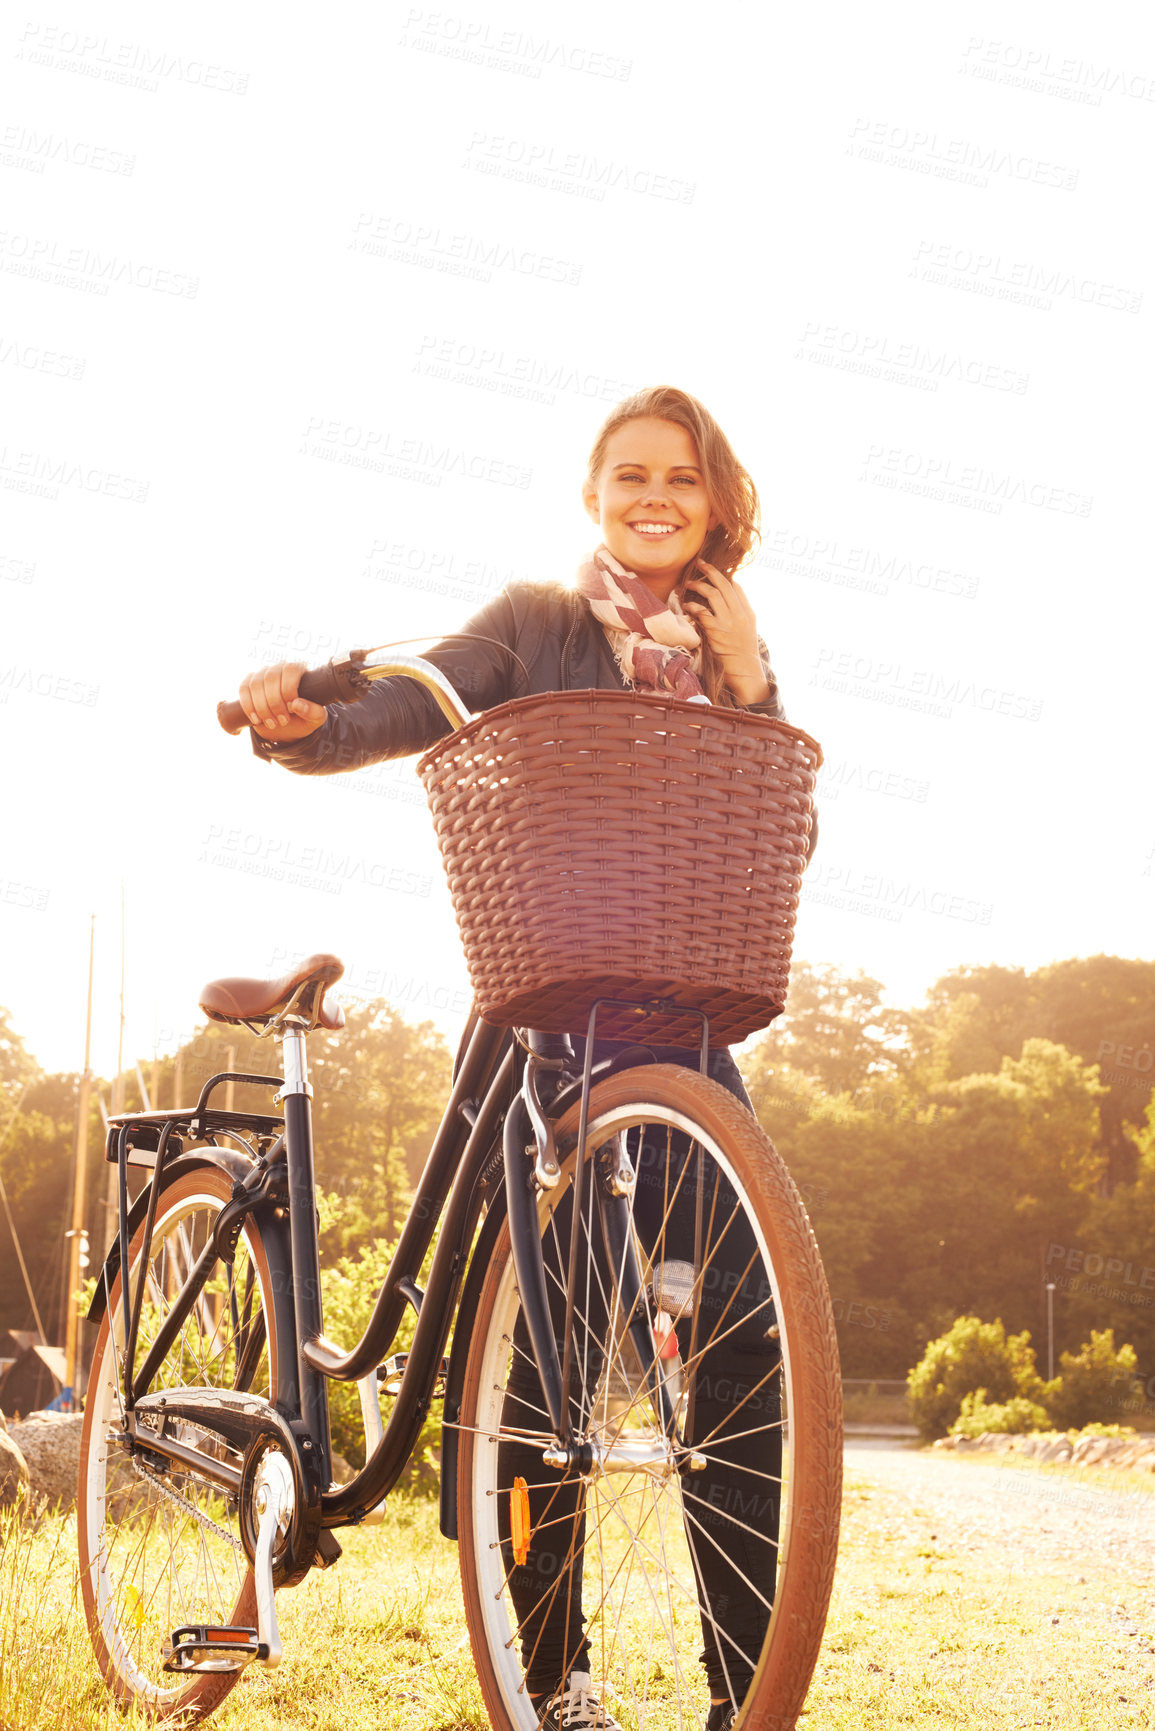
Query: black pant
point(732, 1507)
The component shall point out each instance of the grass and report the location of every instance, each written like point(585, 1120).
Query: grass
point(378, 1641)
point(47, 1677)
point(919, 1634)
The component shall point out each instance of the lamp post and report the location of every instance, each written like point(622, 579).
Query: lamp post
point(1050, 1331)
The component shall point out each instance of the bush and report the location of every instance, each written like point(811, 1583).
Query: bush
point(1010, 1418)
point(349, 1289)
point(1092, 1383)
point(971, 1355)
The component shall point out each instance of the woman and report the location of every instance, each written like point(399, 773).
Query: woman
point(657, 608)
point(675, 508)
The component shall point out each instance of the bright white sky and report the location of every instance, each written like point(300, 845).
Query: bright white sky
point(903, 254)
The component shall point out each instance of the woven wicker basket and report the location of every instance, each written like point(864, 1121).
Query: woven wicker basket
point(602, 844)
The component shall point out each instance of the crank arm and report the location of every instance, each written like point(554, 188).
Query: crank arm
point(274, 1498)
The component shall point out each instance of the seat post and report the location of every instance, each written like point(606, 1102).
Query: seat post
point(297, 1096)
point(296, 1063)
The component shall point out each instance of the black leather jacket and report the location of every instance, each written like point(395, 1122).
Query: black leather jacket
point(557, 645)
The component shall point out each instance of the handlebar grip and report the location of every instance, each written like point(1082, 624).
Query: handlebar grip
point(336, 682)
point(231, 716)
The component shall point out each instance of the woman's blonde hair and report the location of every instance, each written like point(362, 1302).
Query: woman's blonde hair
point(732, 494)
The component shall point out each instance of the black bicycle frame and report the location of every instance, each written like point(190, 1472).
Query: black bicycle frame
point(459, 1175)
point(466, 1166)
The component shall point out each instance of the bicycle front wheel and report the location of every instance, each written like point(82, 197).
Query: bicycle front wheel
point(686, 1554)
point(162, 1549)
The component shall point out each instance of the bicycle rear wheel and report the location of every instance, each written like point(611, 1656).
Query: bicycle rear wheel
point(640, 1563)
point(159, 1551)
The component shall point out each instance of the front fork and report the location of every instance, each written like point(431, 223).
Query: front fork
point(531, 1166)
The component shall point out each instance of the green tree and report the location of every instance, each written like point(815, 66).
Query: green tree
point(858, 1160)
point(973, 1018)
point(1008, 1163)
point(17, 1066)
point(37, 1142)
point(1104, 1269)
point(928, 1203)
point(37, 1166)
point(379, 1086)
point(834, 1030)
point(1101, 1008)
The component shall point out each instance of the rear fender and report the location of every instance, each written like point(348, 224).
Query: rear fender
point(227, 1160)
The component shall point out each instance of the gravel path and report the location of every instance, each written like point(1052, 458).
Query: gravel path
point(1034, 1518)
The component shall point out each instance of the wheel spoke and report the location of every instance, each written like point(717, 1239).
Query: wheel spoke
point(156, 1555)
point(670, 1552)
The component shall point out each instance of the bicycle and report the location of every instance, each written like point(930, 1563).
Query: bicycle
point(585, 1210)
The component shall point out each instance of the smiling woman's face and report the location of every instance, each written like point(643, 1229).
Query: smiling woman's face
point(650, 501)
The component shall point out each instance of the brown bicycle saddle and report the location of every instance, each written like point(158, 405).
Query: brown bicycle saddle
point(238, 1000)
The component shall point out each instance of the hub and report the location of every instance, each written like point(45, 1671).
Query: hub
point(591, 1458)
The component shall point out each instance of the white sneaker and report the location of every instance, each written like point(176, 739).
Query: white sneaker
point(577, 1708)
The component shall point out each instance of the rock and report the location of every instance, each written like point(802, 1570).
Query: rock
point(1136, 1453)
point(1098, 1450)
point(342, 1471)
point(1045, 1446)
point(50, 1443)
point(14, 1476)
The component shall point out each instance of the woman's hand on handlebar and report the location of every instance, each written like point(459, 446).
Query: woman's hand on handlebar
point(269, 699)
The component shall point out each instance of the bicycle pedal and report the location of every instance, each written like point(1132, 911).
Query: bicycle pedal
point(212, 1647)
point(390, 1373)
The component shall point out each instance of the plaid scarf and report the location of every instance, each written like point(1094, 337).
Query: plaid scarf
point(656, 646)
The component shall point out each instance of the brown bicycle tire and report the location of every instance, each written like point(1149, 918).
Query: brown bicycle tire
point(790, 1652)
point(202, 1696)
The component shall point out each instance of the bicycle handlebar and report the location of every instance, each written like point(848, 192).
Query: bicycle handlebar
point(349, 680)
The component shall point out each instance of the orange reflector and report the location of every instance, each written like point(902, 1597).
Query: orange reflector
point(519, 1529)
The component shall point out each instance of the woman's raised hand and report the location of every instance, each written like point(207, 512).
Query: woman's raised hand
point(719, 608)
point(269, 699)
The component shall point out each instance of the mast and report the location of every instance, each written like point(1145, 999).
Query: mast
point(112, 1187)
point(78, 1238)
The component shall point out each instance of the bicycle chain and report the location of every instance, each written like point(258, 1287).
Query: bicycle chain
point(183, 1503)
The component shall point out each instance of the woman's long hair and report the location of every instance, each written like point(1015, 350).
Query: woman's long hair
point(732, 494)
